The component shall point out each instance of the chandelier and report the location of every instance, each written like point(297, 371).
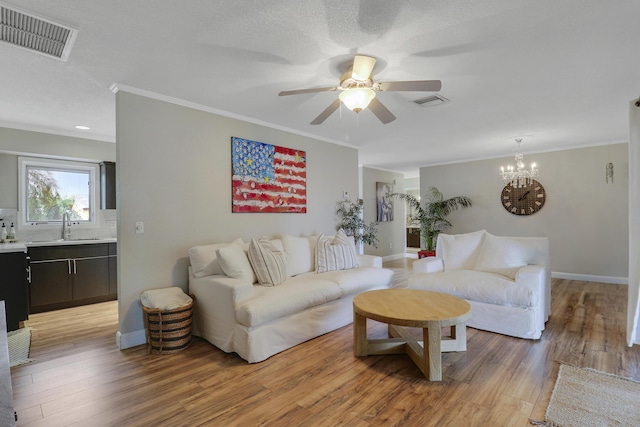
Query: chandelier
point(518, 176)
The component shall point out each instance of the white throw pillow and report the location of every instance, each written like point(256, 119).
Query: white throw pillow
point(460, 251)
point(204, 260)
point(234, 263)
point(267, 261)
point(300, 253)
point(335, 253)
point(502, 255)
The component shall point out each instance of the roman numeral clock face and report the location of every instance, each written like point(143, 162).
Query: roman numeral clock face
point(525, 200)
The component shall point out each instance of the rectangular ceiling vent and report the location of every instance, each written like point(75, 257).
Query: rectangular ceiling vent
point(37, 34)
point(430, 100)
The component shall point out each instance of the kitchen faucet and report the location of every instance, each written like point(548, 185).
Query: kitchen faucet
point(66, 226)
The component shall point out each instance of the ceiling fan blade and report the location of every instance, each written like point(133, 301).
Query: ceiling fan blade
point(362, 67)
point(312, 90)
point(417, 86)
point(381, 111)
point(326, 113)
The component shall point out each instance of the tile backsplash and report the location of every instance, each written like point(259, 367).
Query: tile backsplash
point(106, 227)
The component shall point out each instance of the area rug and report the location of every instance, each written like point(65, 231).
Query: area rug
point(586, 397)
point(19, 342)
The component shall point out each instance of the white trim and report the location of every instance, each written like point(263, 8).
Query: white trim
point(116, 87)
point(591, 278)
point(394, 257)
point(131, 339)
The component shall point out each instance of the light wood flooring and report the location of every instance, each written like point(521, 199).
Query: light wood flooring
point(79, 378)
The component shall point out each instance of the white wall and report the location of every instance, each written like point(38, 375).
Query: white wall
point(585, 218)
point(633, 306)
point(174, 174)
point(391, 238)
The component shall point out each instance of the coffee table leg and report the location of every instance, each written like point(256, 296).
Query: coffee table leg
point(432, 336)
point(359, 335)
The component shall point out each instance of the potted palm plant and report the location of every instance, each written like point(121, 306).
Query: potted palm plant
point(431, 215)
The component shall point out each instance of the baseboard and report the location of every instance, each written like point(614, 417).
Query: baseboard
point(591, 278)
point(394, 257)
point(131, 339)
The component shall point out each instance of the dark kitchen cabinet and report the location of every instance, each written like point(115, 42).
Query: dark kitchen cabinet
point(14, 288)
point(113, 269)
point(107, 185)
point(70, 275)
point(413, 237)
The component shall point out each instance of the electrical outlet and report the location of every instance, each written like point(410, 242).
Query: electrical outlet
point(345, 194)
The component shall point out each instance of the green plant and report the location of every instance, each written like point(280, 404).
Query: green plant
point(432, 214)
point(351, 222)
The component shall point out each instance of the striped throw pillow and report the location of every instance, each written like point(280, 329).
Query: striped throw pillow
point(267, 261)
point(335, 253)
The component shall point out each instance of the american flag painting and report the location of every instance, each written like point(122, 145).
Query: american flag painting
point(268, 178)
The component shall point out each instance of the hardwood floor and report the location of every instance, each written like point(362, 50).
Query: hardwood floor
point(79, 378)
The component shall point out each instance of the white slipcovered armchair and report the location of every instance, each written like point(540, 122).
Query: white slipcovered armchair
point(507, 280)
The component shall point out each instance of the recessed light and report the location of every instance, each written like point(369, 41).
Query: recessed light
point(81, 127)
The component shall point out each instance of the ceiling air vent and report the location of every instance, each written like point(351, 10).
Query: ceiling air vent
point(430, 100)
point(37, 34)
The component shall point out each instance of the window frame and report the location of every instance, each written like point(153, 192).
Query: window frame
point(65, 165)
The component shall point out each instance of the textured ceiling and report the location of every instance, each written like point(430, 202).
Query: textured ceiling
point(560, 74)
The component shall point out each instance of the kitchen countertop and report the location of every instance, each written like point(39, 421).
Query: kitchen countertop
point(12, 247)
point(23, 246)
point(61, 242)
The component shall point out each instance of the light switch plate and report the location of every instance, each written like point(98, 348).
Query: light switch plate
point(139, 227)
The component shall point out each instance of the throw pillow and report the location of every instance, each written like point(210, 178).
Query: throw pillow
point(234, 263)
point(460, 251)
point(300, 253)
point(267, 261)
point(335, 253)
point(502, 255)
point(204, 259)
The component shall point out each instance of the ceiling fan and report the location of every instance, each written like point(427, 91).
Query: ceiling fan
point(358, 90)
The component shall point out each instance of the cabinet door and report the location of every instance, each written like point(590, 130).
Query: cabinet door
point(113, 269)
point(107, 185)
point(14, 289)
point(51, 283)
point(90, 278)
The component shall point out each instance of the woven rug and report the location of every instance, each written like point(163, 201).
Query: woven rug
point(19, 342)
point(586, 397)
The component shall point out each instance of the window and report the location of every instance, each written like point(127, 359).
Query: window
point(49, 188)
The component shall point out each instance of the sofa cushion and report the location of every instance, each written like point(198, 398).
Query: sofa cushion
point(356, 280)
point(503, 255)
point(479, 286)
point(235, 263)
point(300, 253)
point(204, 260)
point(459, 251)
point(335, 253)
point(292, 296)
point(267, 261)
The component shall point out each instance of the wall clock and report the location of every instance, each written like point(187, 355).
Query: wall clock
point(525, 200)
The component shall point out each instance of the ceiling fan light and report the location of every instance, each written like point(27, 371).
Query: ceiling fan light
point(357, 98)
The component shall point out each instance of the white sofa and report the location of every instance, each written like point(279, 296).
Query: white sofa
point(236, 314)
point(507, 280)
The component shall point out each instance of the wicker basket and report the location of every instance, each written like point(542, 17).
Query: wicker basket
point(168, 331)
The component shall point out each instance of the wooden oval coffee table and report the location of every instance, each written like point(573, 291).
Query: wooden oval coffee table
point(400, 308)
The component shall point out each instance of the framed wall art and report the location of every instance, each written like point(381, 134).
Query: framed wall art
point(384, 202)
point(267, 178)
